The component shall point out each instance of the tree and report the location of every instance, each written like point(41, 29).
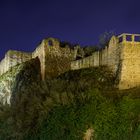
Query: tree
point(105, 38)
point(88, 50)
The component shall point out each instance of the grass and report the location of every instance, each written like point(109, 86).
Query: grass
point(65, 107)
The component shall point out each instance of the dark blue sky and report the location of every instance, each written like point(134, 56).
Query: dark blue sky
point(24, 23)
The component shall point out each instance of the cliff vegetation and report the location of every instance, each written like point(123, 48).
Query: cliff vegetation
point(76, 105)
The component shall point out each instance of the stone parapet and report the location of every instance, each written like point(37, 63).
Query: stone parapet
point(122, 56)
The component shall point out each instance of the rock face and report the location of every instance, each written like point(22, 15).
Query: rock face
point(18, 78)
point(6, 84)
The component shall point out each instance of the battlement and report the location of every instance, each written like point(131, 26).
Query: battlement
point(122, 56)
point(126, 37)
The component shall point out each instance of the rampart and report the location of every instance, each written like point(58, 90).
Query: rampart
point(121, 56)
point(49, 49)
point(109, 56)
point(129, 74)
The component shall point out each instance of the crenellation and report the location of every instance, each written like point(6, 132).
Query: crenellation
point(122, 56)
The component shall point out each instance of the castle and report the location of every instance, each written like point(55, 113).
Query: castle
point(121, 56)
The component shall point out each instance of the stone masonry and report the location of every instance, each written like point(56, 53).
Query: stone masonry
point(49, 49)
point(121, 56)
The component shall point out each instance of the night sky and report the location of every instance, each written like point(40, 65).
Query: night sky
point(24, 23)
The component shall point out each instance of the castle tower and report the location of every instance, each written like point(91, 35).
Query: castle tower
point(54, 59)
point(129, 74)
point(44, 49)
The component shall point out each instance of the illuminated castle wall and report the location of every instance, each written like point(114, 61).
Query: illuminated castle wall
point(49, 49)
point(122, 56)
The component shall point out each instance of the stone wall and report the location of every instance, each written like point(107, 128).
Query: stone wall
point(57, 58)
point(110, 56)
point(40, 53)
point(86, 62)
point(49, 49)
point(121, 56)
point(53, 58)
point(129, 75)
point(13, 58)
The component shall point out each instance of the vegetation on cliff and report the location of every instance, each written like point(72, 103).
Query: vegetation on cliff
point(65, 107)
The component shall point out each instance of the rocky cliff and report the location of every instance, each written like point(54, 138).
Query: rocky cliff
point(19, 78)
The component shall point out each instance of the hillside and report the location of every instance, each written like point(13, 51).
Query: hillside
point(75, 105)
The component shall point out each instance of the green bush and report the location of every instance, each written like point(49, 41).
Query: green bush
point(64, 108)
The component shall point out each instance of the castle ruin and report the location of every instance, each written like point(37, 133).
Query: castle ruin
point(121, 56)
point(48, 49)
